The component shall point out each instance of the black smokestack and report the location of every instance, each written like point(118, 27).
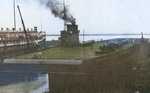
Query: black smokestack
point(57, 9)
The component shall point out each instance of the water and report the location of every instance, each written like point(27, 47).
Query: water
point(20, 82)
point(86, 38)
point(45, 87)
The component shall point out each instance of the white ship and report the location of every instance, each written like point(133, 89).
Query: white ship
point(14, 42)
point(17, 42)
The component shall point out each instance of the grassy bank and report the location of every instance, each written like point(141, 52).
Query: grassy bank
point(77, 52)
point(112, 73)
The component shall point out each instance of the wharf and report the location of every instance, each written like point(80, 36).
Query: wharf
point(42, 61)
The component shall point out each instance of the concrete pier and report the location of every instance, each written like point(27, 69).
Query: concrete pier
point(42, 61)
point(143, 54)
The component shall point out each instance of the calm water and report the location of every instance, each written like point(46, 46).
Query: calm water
point(23, 82)
point(86, 38)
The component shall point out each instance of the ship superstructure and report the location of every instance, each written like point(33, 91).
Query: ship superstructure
point(70, 36)
point(14, 42)
point(14, 39)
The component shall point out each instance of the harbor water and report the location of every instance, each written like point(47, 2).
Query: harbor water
point(98, 38)
point(20, 82)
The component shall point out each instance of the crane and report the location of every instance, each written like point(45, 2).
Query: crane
point(28, 46)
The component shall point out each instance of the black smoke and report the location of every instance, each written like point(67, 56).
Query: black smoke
point(57, 9)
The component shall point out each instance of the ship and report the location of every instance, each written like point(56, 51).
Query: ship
point(14, 42)
point(18, 42)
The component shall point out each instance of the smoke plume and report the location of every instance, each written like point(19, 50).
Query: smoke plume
point(57, 9)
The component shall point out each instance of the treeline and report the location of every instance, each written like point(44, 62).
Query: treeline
point(111, 47)
point(53, 43)
point(88, 43)
point(57, 43)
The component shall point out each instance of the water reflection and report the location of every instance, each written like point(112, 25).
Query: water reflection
point(20, 82)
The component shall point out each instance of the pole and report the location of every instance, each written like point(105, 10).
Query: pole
point(41, 23)
point(83, 46)
point(14, 17)
point(83, 36)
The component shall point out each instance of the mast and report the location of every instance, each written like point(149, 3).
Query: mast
point(14, 17)
point(65, 20)
point(65, 17)
point(41, 21)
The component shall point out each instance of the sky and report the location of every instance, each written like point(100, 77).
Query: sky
point(92, 16)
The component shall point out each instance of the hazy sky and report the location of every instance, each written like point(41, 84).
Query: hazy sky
point(93, 16)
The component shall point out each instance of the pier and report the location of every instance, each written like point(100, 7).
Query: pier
point(57, 70)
